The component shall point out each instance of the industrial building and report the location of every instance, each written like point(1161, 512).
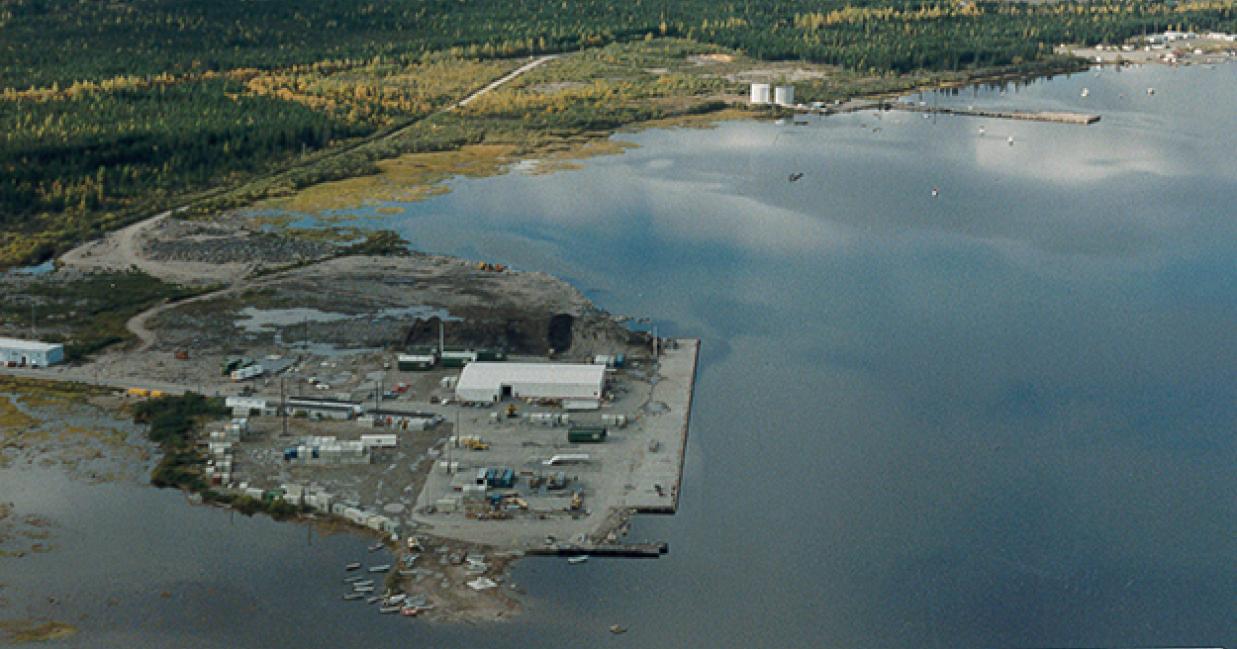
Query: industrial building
point(489, 382)
point(321, 408)
point(32, 353)
point(400, 420)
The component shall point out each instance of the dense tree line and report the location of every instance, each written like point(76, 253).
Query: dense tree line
point(46, 41)
point(71, 165)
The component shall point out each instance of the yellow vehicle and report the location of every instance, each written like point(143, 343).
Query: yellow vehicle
point(475, 444)
point(137, 392)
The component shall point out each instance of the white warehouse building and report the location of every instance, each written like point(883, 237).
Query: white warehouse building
point(489, 382)
point(16, 353)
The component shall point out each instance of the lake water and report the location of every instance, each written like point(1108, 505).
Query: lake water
point(1002, 416)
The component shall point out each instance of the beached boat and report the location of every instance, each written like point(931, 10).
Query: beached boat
point(577, 559)
point(396, 599)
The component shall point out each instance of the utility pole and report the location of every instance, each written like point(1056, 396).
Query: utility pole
point(442, 337)
point(283, 403)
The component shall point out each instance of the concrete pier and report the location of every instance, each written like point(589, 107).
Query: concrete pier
point(672, 397)
point(1059, 117)
point(630, 550)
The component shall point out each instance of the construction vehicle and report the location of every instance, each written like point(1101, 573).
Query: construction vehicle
point(512, 411)
point(577, 501)
point(474, 444)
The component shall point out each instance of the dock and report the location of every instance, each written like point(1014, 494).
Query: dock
point(856, 105)
point(628, 550)
point(660, 476)
point(1057, 117)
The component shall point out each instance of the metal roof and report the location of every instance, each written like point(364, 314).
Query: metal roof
point(481, 376)
point(29, 345)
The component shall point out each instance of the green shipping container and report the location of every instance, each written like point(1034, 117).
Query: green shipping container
point(586, 434)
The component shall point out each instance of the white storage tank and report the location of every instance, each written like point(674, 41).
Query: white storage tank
point(760, 93)
point(784, 95)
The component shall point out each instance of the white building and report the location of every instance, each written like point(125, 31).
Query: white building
point(247, 406)
point(784, 95)
point(17, 353)
point(489, 382)
point(760, 93)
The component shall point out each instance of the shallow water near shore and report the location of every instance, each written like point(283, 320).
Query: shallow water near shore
point(1001, 416)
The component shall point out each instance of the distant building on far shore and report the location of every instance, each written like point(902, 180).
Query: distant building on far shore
point(29, 353)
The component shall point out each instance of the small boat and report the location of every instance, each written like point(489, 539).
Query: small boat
point(375, 547)
point(382, 568)
point(577, 559)
point(795, 176)
point(1150, 91)
point(409, 611)
point(396, 599)
point(352, 566)
point(981, 130)
point(1086, 92)
point(935, 192)
point(372, 600)
point(363, 589)
point(407, 573)
point(616, 629)
point(352, 596)
point(1010, 140)
point(367, 582)
point(389, 609)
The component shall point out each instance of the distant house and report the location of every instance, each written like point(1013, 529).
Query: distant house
point(29, 353)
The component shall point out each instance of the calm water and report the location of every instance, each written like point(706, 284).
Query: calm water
point(1000, 417)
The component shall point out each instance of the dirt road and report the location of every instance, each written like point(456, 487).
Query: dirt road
point(122, 249)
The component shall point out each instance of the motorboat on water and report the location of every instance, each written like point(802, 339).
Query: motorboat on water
point(577, 559)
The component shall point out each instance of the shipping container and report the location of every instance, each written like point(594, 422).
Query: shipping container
point(416, 362)
point(586, 434)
